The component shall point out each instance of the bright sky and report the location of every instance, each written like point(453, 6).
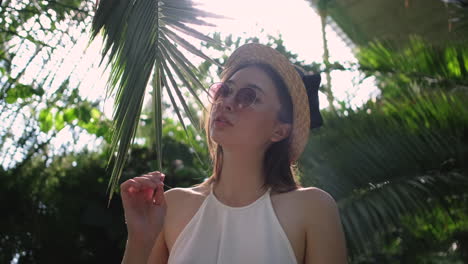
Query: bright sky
point(297, 21)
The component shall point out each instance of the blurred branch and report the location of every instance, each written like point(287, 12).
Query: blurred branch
point(67, 6)
point(32, 152)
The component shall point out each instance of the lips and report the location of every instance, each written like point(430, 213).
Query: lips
point(222, 118)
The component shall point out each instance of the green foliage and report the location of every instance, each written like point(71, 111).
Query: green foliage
point(49, 13)
point(390, 160)
point(45, 120)
point(35, 104)
point(22, 91)
point(417, 65)
point(440, 236)
point(396, 166)
point(65, 210)
point(63, 214)
point(83, 115)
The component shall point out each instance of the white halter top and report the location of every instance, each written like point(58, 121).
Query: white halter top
point(222, 234)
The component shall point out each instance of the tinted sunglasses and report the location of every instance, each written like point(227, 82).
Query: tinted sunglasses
point(244, 97)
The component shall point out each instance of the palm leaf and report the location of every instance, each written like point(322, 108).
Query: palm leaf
point(418, 59)
point(136, 35)
point(182, 74)
point(157, 110)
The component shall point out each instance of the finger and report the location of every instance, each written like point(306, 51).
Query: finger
point(148, 194)
point(130, 186)
point(155, 173)
point(156, 179)
point(159, 197)
point(158, 175)
point(145, 182)
point(155, 194)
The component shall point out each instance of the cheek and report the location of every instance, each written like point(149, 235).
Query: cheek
point(258, 125)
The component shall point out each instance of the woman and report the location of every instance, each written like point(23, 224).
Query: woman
point(251, 210)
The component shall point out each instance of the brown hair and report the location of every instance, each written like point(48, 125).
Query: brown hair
point(279, 173)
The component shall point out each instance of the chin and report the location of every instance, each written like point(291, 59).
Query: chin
point(220, 137)
point(216, 137)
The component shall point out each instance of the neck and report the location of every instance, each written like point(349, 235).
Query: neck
point(241, 178)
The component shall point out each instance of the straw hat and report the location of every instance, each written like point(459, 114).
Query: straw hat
point(254, 53)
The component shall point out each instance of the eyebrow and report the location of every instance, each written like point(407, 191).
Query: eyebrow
point(250, 85)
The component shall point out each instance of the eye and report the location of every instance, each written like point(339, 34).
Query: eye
point(258, 98)
point(228, 89)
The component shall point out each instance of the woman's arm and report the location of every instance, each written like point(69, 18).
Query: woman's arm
point(159, 253)
point(324, 234)
point(144, 206)
point(137, 251)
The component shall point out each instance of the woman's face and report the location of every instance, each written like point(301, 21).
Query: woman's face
point(253, 127)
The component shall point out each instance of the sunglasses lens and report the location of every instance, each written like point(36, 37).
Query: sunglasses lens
point(214, 92)
point(245, 97)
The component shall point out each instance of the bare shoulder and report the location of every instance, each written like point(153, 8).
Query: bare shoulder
point(177, 195)
point(319, 207)
point(309, 205)
point(313, 197)
point(324, 233)
point(309, 198)
point(185, 198)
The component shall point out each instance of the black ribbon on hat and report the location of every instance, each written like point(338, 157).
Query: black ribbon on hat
point(312, 85)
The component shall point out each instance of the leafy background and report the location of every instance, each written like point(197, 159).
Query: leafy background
point(396, 164)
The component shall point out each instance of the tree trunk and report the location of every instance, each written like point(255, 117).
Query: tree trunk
point(326, 60)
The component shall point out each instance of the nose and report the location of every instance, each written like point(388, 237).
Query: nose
point(227, 103)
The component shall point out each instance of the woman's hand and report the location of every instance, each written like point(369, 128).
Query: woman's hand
point(144, 206)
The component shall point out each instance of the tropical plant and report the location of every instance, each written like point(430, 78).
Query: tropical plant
point(418, 65)
point(389, 160)
point(144, 38)
point(58, 209)
point(39, 96)
point(405, 152)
